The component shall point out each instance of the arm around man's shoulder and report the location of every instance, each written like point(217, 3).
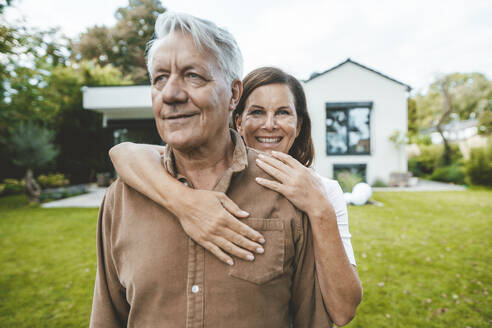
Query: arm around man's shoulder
point(308, 308)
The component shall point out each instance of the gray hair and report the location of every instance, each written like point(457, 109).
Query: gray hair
point(206, 35)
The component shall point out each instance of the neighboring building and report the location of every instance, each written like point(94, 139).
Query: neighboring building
point(354, 110)
point(455, 131)
point(463, 133)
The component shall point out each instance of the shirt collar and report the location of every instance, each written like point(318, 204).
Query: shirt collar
point(239, 157)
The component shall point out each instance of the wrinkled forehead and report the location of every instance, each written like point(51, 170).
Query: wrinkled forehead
point(180, 49)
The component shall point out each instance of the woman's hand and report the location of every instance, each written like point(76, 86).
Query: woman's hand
point(221, 233)
point(208, 217)
point(296, 182)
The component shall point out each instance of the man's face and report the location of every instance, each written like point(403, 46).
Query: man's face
point(190, 96)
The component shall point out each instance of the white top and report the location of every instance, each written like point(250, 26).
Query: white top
point(337, 200)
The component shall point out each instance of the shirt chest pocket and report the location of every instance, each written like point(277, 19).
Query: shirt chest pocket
point(266, 266)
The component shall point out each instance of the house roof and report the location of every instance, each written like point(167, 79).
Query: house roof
point(348, 60)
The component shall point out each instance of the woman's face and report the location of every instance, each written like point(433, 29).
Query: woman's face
point(269, 120)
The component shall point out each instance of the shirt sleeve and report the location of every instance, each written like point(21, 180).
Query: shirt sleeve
point(109, 305)
point(335, 195)
point(307, 306)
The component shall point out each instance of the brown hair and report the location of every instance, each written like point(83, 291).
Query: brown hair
point(302, 149)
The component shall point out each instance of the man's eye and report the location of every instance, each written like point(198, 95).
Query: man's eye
point(160, 79)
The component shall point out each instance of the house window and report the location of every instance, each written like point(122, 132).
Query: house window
point(355, 169)
point(347, 128)
point(137, 130)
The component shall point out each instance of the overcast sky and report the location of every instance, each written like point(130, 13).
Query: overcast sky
point(411, 41)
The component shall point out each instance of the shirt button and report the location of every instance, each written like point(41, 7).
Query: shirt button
point(195, 289)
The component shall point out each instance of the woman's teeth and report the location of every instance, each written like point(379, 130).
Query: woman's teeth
point(269, 140)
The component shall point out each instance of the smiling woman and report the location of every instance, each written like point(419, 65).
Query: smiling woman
point(269, 121)
point(275, 101)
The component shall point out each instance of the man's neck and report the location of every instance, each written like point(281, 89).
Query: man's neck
point(205, 165)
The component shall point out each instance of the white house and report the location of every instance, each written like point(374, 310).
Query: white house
point(353, 109)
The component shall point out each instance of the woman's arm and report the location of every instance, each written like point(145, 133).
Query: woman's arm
point(338, 279)
point(206, 216)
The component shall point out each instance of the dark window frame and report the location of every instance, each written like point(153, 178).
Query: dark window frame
point(346, 107)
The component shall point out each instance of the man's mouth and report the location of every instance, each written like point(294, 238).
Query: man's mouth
point(179, 116)
point(269, 140)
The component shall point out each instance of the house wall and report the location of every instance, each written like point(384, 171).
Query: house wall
point(351, 83)
point(119, 102)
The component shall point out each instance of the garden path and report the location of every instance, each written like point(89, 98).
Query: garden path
point(96, 194)
point(425, 185)
point(92, 199)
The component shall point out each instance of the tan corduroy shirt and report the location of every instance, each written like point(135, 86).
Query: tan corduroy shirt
point(151, 274)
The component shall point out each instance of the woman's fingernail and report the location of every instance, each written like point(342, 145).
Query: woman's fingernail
point(250, 257)
point(230, 262)
point(243, 213)
point(260, 250)
point(262, 240)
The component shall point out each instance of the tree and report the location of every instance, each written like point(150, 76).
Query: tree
point(413, 128)
point(27, 66)
point(458, 95)
point(41, 85)
point(485, 120)
point(4, 4)
point(7, 44)
point(32, 148)
point(124, 44)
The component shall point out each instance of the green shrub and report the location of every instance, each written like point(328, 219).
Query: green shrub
point(455, 156)
point(479, 166)
point(421, 139)
point(52, 180)
point(63, 192)
point(427, 161)
point(454, 173)
point(432, 157)
point(13, 186)
point(348, 180)
point(379, 184)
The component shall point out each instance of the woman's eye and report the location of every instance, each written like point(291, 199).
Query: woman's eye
point(282, 112)
point(256, 112)
point(194, 76)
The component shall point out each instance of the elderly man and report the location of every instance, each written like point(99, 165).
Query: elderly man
point(149, 273)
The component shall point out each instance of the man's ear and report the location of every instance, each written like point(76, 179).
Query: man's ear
point(238, 122)
point(237, 91)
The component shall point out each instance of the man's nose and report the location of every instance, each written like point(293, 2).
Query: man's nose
point(270, 122)
point(173, 91)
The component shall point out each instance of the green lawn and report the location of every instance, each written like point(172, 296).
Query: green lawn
point(422, 259)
